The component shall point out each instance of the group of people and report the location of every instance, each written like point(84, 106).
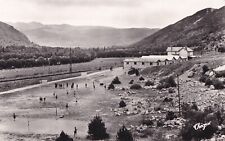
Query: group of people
point(62, 85)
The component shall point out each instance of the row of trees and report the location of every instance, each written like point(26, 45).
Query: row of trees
point(40, 61)
point(20, 57)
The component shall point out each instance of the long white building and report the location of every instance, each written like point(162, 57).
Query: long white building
point(178, 54)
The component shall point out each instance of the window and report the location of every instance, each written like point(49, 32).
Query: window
point(127, 63)
point(135, 63)
point(151, 63)
point(143, 63)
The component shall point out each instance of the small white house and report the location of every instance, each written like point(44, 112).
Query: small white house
point(183, 52)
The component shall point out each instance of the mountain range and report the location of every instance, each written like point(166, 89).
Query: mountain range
point(10, 36)
point(83, 36)
point(204, 29)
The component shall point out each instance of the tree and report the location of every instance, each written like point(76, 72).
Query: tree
point(135, 86)
point(63, 137)
point(124, 135)
point(111, 86)
point(122, 104)
point(97, 129)
point(205, 68)
point(116, 80)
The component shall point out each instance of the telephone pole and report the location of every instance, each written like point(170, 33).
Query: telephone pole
point(70, 62)
point(178, 91)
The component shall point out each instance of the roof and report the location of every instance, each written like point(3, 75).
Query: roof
point(153, 58)
point(177, 49)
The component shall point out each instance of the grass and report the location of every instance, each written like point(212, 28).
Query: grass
point(104, 63)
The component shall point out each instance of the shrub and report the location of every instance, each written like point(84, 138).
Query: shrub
point(189, 133)
point(149, 83)
point(124, 135)
point(147, 122)
point(63, 137)
point(208, 82)
point(171, 81)
point(116, 80)
point(135, 86)
point(133, 71)
point(194, 107)
point(131, 81)
point(205, 68)
point(203, 78)
point(141, 78)
point(167, 82)
point(218, 84)
point(111, 87)
point(171, 90)
point(168, 99)
point(159, 87)
point(160, 123)
point(96, 129)
point(170, 115)
point(199, 117)
point(122, 104)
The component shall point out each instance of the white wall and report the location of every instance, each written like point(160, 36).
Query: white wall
point(183, 53)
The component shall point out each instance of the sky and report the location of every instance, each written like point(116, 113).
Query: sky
point(116, 13)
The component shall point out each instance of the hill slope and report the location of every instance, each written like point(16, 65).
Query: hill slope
point(83, 36)
point(205, 28)
point(10, 36)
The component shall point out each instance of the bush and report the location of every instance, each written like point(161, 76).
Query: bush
point(111, 87)
point(135, 86)
point(141, 78)
point(63, 137)
point(203, 78)
point(194, 107)
point(171, 90)
point(149, 83)
point(124, 135)
point(205, 68)
point(122, 104)
point(168, 99)
point(199, 117)
point(170, 115)
point(133, 71)
point(189, 133)
point(208, 82)
point(167, 82)
point(218, 84)
point(160, 123)
point(147, 122)
point(96, 129)
point(116, 80)
point(131, 81)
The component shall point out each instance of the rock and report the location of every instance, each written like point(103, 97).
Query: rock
point(190, 74)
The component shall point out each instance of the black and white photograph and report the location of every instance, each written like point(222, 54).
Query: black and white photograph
point(112, 70)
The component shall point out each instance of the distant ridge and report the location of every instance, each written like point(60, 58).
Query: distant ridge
point(83, 36)
point(204, 29)
point(10, 36)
